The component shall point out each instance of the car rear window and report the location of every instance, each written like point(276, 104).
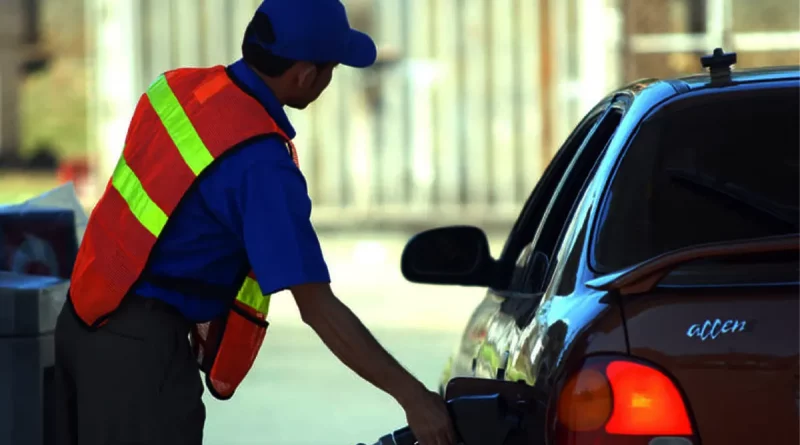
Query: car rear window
point(709, 168)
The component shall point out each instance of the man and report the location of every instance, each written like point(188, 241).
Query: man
point(206, 214)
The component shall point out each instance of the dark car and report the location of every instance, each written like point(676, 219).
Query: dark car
point(648, 292)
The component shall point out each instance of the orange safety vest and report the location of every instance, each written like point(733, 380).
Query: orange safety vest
point(187, 119)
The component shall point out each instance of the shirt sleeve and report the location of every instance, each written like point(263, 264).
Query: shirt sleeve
point(281, 244)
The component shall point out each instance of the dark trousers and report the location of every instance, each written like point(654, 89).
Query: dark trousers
point(133, 381)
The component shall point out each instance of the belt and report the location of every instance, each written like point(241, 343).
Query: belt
point(133, 301)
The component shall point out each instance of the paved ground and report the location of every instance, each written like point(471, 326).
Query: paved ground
point(299, 394)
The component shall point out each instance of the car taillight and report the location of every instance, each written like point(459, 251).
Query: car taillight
point(621, 402)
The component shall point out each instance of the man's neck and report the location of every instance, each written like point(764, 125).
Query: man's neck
point(271, 83)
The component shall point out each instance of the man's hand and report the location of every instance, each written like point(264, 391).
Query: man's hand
point(429, 420)
point(352, 343)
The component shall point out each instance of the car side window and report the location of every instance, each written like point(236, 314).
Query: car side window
point(562, 204)
point(578, 156)
point(515, 258)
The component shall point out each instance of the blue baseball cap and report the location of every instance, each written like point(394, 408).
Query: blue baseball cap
point(314, 31)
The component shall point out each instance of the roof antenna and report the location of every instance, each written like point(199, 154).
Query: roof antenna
point(719, 65)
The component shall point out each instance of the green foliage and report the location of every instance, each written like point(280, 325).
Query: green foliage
point(53, 107)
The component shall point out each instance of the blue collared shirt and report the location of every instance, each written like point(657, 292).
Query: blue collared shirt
point(252, 205)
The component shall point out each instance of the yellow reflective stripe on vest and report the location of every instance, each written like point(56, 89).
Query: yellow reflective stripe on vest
point(143, 208)
point(193, 150)
point(250, 295)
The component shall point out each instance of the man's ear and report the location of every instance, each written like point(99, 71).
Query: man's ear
point(306, 75)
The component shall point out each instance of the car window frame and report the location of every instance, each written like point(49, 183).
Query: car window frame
point(541, 195)
point(521, 303)
point(562, 221)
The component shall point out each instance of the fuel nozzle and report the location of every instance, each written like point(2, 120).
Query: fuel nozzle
point(478, 420)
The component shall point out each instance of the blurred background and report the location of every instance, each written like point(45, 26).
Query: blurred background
point(468, 103)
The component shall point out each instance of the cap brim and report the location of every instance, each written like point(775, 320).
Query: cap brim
point(361, 50)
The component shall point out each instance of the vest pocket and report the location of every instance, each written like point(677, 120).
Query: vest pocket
point(226, 348)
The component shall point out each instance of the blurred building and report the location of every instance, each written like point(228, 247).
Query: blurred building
point(469, 102)
point(21, 53)
point(665, 37)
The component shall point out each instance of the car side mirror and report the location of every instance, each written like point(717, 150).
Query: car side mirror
point(449, 255)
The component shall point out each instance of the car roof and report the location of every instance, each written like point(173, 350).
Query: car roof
point(701, 81)
point(748, 75)
point(647, 93)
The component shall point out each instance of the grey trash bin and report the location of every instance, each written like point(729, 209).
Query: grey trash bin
point(29, 307)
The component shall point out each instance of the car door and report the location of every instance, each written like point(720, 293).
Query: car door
point(511, 309)
point(494, 329)
point(511, 262)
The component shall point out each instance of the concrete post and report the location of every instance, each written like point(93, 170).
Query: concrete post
point(115, 67)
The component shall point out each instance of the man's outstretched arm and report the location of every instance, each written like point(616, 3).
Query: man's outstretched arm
point(354, 345)
point(351, 342)
point(274, 211)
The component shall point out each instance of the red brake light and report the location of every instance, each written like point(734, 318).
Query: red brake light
point(645, 402)
point(613, 401)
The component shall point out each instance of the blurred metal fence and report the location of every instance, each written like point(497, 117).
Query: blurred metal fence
point(449, 129)
point(469, 102)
